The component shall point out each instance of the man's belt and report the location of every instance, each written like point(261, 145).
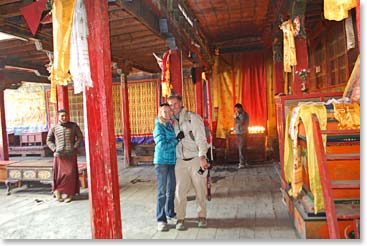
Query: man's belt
point(188, 159)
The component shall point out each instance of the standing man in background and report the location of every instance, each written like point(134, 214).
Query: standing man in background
point(191, 165)
point(242, 120)
point(64, 139)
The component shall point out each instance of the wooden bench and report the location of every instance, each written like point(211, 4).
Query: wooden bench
point(29, 144)
point(24, 151)
point(3, 165)
point(37, 171)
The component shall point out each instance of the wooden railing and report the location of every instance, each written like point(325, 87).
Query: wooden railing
point(337, 211)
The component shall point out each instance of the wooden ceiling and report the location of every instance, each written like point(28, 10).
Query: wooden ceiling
point(136, 33)
point(231, 23)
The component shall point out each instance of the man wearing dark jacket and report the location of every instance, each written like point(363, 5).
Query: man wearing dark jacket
point(241, 129)
point(64, 139)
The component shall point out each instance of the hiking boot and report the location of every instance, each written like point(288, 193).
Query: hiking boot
point(162, 226)
point(69, 198)
point(180, 225)
point(202, 222)
point(57, 195)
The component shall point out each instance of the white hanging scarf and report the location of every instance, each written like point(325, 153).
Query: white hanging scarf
point(349, 31)
point(79, 55)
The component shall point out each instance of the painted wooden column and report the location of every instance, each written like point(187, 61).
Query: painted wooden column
point(62, 98)
point(298, 13)
point(199, 98)
point(358, 10)
point(209, 103)
point(278, 71)
point(4, 152)
point(104, 192)
point(176, 71)
point(302, 63)
point(125, 120)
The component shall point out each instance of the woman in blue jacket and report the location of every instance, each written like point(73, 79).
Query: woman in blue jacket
point(164, 162)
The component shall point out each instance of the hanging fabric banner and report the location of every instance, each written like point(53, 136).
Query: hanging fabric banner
point(32, 14)
point(289, 49)
point(166, 78)
point(79, 55)
point(337, 10)
point(62, 16)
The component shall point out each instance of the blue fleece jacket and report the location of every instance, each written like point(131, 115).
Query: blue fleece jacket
point(165, 143)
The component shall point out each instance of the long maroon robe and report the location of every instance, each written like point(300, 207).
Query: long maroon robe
point(66, 177)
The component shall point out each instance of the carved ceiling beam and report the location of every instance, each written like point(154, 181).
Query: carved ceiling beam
point(179, 33)
point(25, 33)
point(11, 77)
point(11, 10)
point(15, 64)
point(197, 31)
point(140, 10)
point(240, 43)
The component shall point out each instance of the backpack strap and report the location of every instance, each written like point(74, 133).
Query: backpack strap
point(188, 118)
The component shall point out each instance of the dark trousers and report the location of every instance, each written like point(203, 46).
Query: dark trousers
point(242, 147)
point(166, 186)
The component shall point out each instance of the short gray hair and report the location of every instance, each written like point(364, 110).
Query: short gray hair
point(177, 97)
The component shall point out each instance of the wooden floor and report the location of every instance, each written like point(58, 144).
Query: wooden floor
point(246, 205)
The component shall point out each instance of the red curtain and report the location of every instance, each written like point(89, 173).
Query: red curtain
point(254, 87)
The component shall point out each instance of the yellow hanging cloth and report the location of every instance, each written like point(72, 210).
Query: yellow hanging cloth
point(62, 16)
point(305, 114)
point(337, 10)
point(226, 111)
point(292, 168)
point(288, 149)
point(289, 46)
point(348, 115)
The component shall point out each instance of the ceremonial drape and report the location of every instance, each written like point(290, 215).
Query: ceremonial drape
point(142, 107)
point(248, 78)
point(251, 83)
point(291, 161)
point(62, 16)
point(338, 9)
point(188, 94)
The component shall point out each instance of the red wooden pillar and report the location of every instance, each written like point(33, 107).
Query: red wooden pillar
point(176, 71)
point(358, 9)
point(199, 98)
point(62, 97)
point(125, 119)
point(278, 78)
point(302, 63)
point(278, 70)
point(104, 192)
point(209, 103)
point(4, 152)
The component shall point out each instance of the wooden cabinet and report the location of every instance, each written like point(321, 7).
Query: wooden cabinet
point(33, 139)
point(28, 144)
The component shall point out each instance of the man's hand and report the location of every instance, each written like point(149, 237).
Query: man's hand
point(180, 136)
point(204, 163)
